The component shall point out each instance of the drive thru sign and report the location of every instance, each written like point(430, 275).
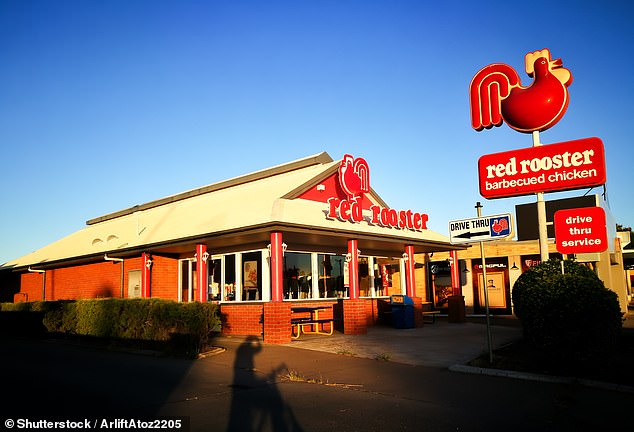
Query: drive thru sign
point(480, 229)
point(581, 230)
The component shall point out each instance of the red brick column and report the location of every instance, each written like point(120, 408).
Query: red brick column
point(354, 317)
point(418, 311)
point(277, 322)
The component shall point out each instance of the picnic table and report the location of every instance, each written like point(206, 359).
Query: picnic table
point(308, 316)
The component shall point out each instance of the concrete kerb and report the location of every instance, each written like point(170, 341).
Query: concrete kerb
point(540, 377)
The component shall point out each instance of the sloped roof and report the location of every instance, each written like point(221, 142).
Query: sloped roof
point(257, 199)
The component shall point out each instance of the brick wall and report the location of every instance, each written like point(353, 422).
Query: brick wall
point(242, 319)
point(30, 287)
point(371, 312)
point(98, 280)
point(354, 316)
point(95, 280)
point(277, 322)
point(164, 277)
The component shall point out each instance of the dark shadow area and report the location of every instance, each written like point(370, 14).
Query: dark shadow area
point(256, 403)
point(22, 324)
point(44, 377)
point(9, 286)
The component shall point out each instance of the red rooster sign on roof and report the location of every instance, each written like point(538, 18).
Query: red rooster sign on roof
point(354, 176)
point(497, 95)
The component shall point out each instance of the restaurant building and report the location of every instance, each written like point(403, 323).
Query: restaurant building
point(311, 231)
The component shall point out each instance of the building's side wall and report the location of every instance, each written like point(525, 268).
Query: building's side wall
point(164, 277)
point(610, 271)
point(30, 287)
point(98, 280)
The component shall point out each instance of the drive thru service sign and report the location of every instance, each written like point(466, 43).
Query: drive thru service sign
point(581, 230)
point(480, 229)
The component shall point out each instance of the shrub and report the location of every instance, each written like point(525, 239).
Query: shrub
point(571, 317)
point(184, 327)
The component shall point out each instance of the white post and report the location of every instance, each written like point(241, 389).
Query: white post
point(486, 291)
point(541, 214)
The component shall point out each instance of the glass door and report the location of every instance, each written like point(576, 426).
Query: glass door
point(186, 279)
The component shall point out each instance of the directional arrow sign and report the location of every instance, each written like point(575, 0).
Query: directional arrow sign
point(481, 229)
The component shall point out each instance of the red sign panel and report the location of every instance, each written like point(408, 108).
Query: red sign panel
point(548, 168)
point(581, 230)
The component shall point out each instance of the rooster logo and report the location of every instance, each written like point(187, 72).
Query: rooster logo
point(354, 176)
point(496, 94)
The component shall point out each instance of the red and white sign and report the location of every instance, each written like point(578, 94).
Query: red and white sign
point(497, 94)
point(354, 180)
point(548, 168)
point(581, 230)
point(354, 176)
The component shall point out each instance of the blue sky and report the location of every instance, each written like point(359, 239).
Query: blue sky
point(108, 104)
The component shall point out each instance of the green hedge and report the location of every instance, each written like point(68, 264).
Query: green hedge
point(156, 320)
point(572, 317)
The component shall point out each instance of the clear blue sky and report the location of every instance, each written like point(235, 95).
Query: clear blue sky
point(108, 104)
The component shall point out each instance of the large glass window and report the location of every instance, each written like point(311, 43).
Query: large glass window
point(365, 281)
point(387, 277)
point(252, 276)
point(228, 283)
point(214, 290)
point(331, 269)
point(297, 275)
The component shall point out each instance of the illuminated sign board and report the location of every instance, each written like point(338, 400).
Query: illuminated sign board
point(581, 230)
point(548, 168)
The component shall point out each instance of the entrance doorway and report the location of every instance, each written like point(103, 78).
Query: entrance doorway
point(186, 279)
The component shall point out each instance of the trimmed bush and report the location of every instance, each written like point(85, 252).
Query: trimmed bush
point(572, 317)
point(185, 326)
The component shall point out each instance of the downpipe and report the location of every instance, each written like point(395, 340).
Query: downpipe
point(43, 272)
point(121, 260)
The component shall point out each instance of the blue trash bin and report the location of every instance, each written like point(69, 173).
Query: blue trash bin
point(402, 311)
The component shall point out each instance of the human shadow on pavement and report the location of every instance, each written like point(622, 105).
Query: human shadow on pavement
point(256, 403)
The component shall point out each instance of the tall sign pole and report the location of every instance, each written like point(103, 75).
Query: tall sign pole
point(497, 96)
point(541, 214)
point(478, 206)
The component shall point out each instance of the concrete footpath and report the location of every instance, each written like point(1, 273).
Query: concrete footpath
point(441, 344)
